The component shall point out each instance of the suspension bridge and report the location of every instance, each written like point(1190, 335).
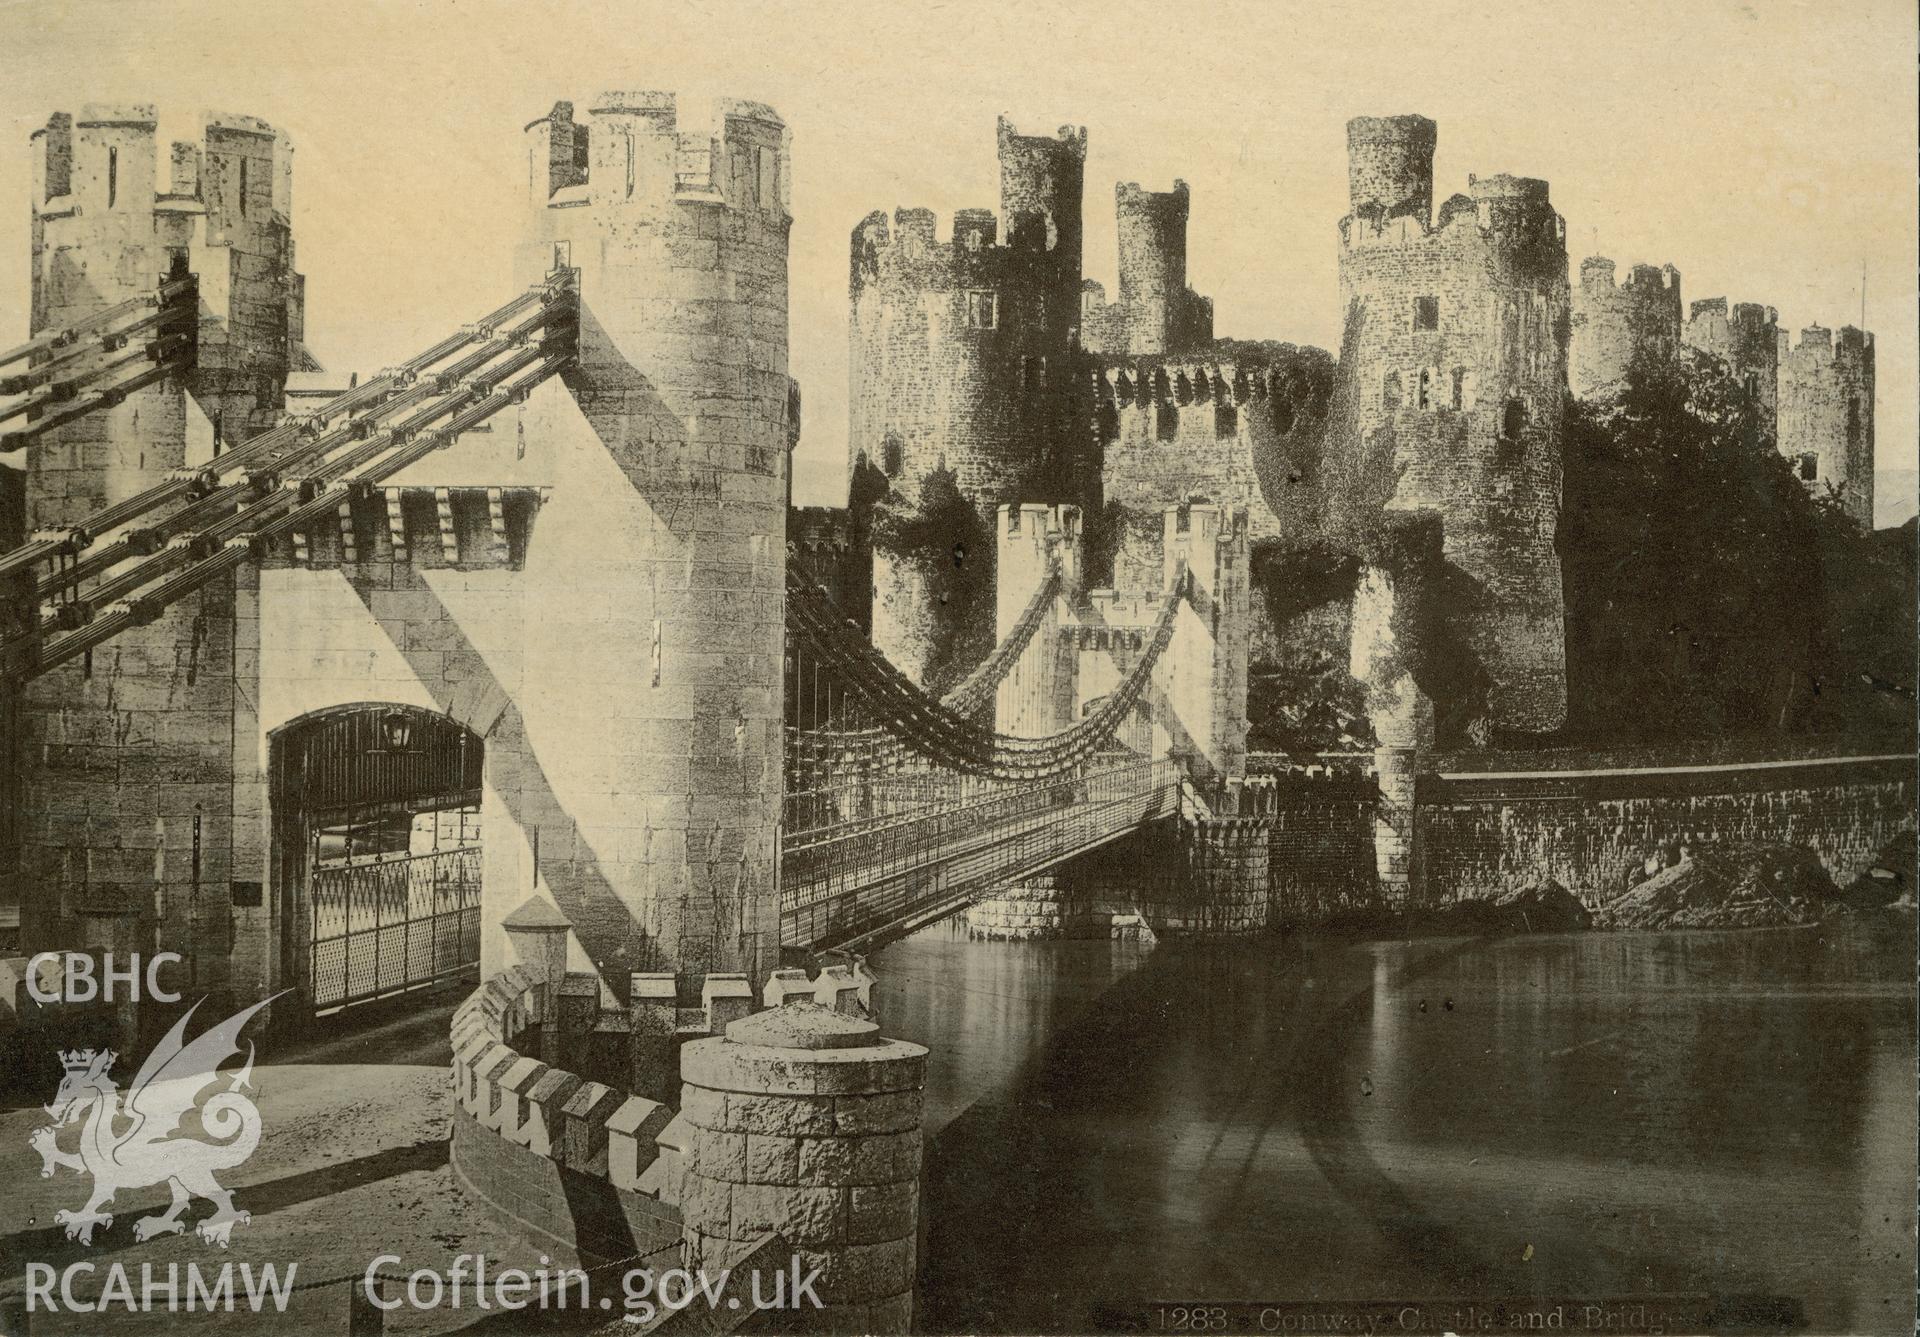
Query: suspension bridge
point(900, 807)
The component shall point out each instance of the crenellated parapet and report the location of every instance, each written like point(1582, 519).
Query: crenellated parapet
point(1618, 325)
point(1455, 365)
point(111, 216)
point(1826, 412)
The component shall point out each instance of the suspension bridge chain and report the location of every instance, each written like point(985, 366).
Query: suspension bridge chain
point(953, 740)
point(872, 751)
point(84, 367)
point(285, 478)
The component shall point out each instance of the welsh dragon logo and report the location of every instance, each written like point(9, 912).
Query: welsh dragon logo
point(158, 1131)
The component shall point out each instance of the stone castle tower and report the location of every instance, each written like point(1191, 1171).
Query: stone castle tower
point(957, 353)
point(140, 819)
point(1157, 311)
point(1456, 353)
point(1616, 326)
point(1826, 415)
point(654, 609)
point(1747, 339)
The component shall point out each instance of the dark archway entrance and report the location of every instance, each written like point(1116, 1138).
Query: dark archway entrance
point(376, 836)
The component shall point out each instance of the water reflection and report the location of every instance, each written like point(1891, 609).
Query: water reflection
point(1607, 1113)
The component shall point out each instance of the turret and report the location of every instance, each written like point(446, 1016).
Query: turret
point(1390, 166)
point(1616, 327)
point(112, 216)
point(1826, 394)
point(961, 364)
point(1456, 365)
point(1747, 338)
point(657, 574)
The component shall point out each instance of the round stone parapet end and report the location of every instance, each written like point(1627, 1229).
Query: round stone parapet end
point(803, 1049)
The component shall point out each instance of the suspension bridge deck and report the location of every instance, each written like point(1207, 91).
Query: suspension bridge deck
point(863, 881)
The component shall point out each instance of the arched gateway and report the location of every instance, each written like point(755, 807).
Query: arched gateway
point(376, 851)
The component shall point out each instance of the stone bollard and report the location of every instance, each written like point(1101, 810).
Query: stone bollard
point(806, 1124)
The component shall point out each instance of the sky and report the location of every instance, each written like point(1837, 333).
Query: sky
point(1766, 149)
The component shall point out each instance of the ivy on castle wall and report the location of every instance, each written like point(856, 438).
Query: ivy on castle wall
point(946, 542)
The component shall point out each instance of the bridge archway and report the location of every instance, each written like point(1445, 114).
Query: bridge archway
point(376, 852)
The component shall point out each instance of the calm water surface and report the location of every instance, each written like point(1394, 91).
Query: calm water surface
point(1579, 1114)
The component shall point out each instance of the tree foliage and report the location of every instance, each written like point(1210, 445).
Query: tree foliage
point(1707, 592)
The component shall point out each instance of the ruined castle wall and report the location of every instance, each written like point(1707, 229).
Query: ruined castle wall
point(1617, 326)
point(129, 767)
point(1826, 416)
point(1457, 356)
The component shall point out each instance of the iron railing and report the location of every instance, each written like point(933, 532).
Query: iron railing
point(387, 925)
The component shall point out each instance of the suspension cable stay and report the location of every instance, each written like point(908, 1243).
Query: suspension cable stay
point(288, 477)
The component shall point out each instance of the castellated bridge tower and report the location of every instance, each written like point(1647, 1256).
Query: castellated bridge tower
point(1619, 326)
point(1747, 339)
point(957, 348)
point(1455, 364)
point(129, 838)
point(1826, 416)
point(648, 731)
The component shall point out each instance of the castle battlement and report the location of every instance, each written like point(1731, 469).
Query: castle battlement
point(1181, 381)
point(1742, 315)
point(105, 163)
point(1507, 209)
point(911, 246)
point(1616, 326)
point(1817, 343)
point(632, 152)
point(1597, 275)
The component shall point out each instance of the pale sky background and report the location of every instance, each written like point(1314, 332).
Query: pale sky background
point(1767, 149)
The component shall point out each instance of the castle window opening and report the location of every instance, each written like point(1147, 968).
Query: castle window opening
point(1752, 381)
point(1513, 420)
point(113, 176)
point(1459, 387)
point(1426, 313)
point(1390, 391)
point(983, 310)
point(893, 456)
point(1166, 423)
point(1426, 388)
point(767, 182)
point(563, 255)
point(1809, 468)
point(1226, 419)
point(243, 187)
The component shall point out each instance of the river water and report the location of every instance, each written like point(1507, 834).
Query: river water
point(1582, 1114)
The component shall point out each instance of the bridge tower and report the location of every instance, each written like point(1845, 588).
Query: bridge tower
point(645, 745)
point(130, 772)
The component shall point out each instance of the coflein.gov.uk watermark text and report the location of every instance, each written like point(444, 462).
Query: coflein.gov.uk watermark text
point(469, 1282)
